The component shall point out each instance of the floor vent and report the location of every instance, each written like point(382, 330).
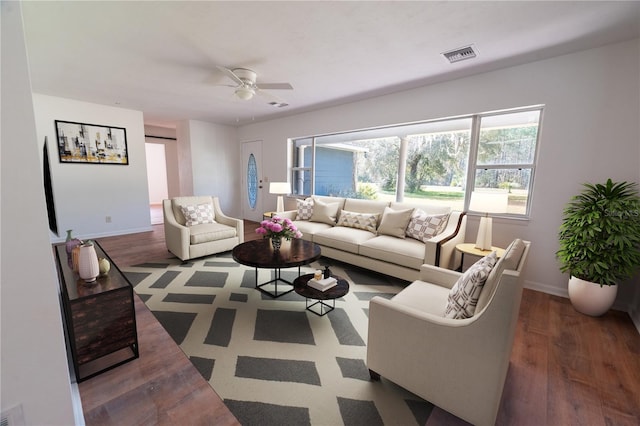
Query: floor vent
point(460, 54)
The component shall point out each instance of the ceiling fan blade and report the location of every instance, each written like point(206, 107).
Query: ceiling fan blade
point(230, 74)
point(274, 86)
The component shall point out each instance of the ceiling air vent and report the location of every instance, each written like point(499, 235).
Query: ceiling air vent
point(461, 54)
point(278, 104)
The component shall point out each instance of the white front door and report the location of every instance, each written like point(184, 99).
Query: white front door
point(252, 182)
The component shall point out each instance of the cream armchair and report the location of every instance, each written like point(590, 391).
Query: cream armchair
point(459, 365)
point(207, 232)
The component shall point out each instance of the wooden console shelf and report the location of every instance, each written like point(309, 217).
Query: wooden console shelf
point(100, 319)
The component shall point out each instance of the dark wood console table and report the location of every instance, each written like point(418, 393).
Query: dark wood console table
point(99, 317)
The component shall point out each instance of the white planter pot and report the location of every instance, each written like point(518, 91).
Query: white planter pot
point(591, 298)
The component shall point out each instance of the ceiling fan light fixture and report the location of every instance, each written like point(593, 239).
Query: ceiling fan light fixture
point(245, 93)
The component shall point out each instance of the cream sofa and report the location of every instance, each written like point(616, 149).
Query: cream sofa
point(219, 233)
point(387, 253)
point(460, 365)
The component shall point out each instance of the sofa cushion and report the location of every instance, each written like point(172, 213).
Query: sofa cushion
point(424, 296)
point(198, 214)
point(394, 222)
point(407, 252)
point(366, 221)
point(365, 206)
point(329, 199)
point(343, 238)
point(509, 260)
point(430, 209)
point(424, 226)
point(305, 209)
point(309, 229)
point(465, 293)
point(324, 212)
point(207, 232)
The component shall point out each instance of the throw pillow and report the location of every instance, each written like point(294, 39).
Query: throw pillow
point(198, 214)
point(423, 227)
point(509, 260)
point(305, 209)
point(465, 293)
point(366, 221)
point(513, 253)
point(394, 222)
point(324, 212)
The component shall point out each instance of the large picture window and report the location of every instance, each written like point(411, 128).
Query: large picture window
point(435, 162)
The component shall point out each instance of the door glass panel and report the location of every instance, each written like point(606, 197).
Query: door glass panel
point(252, 182)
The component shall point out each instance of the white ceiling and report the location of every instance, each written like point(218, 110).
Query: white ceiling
point(160, 57)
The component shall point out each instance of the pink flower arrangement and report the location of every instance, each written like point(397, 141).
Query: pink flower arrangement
point(278, 227)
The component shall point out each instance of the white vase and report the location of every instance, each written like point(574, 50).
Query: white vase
point(591, 298)
point(88, 267)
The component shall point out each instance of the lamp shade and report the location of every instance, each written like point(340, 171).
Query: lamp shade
point(489, 202)
point(279, 188)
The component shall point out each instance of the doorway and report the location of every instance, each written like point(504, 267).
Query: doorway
point(156, 180)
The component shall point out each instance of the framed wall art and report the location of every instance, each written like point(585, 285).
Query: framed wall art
point(91, 143)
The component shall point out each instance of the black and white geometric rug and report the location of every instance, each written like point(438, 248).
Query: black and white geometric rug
point(270, 360)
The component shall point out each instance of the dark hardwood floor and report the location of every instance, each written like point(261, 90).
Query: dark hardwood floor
point(566, 368)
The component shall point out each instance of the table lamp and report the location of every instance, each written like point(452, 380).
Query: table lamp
point(280, 188)
point(487, 202)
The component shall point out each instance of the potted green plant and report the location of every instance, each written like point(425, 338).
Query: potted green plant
point(600, 243)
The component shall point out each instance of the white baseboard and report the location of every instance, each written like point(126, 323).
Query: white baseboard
point(107, 234)
point(635, 317)
point(546, 288)
point(618, 306)
point(78, 413)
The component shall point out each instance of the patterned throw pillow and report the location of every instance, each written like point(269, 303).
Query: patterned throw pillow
point(423, 226)
point(305, 209)
point(465, 293)
point(366, 221)
point(198, 214)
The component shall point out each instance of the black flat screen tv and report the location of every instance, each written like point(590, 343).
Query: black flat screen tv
point(48, 189)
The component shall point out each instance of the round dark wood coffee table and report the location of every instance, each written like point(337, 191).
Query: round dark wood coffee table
point(335, 292)
point(260, 254)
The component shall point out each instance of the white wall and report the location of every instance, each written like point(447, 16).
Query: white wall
point(589, 133)
point(34, 370)
point(183, 148)
point(85, 194)
point(215, 156)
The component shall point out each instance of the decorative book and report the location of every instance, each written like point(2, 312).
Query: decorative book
point(323, 284)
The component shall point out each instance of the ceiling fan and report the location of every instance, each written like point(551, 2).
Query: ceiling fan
point(246, 85)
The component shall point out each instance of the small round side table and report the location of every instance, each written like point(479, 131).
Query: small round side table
point(470, 248)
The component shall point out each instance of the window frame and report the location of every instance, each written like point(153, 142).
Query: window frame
point(472, 161)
